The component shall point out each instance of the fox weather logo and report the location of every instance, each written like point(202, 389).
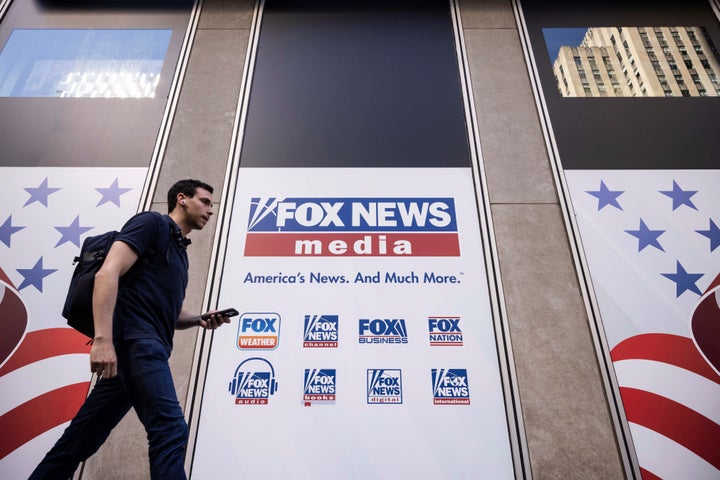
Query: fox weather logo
point(258, 331)
point(253, 382)
point(319, 386)
point(382, 330)
point(384, 386)
point(450, 386)
point(321, 331)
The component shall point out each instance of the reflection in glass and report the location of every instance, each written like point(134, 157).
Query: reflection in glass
point(82, 63)
point(634, 61)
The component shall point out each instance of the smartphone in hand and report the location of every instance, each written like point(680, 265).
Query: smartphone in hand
point(228, 312)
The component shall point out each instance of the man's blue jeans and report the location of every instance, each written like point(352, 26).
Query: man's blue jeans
point(143, 382)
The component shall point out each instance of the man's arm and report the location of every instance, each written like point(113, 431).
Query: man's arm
point(189, 320)
point(103, 359)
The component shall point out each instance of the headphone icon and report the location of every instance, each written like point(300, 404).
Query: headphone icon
point(237, 377)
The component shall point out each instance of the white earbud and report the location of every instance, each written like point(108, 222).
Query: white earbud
point(182, 201)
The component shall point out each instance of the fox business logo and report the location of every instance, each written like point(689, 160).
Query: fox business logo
point(382, 330)
point(352, 227)
point(319, 386)
point(384, 386)
point(450, 386)
point(445, 331)
point(258, 331)
point(321, 331)
point(253, 382)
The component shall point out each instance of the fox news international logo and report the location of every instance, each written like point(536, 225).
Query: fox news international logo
point(352, 227)
point(258, 331)
point(384, 386)
point(321, 331)
point(319, 386)
point(254, 382)
point(382, 330)
point(445, 331)
point(450, 386)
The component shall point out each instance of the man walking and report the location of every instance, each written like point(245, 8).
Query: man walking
point(134, 327)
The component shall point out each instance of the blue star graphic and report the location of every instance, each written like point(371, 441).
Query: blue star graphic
point(40, 194)
point(713, 233)
point(646, 237)
point(606, 196)
point(7, 230)
point(684, 280)
point(34, 276)
point(680, 196)
point(72, 232)
point(111, 193)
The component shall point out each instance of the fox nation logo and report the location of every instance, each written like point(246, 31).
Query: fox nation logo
point(382, 330)
point(319, 386)
point(258, 331)
point(321, 331)
point(445, 331)
point(450, 386)
point(253, 382)
point(384, 386)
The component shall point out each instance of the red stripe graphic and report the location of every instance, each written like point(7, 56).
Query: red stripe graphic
point(42, 344)
point(705, 325)
point(648, 475)
point(37, 416)
point(675, 421)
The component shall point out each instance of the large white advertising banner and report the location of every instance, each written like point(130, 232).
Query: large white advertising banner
point(365, 345)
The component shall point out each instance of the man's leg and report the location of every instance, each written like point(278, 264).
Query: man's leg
point(106, 405)
point(148, 382)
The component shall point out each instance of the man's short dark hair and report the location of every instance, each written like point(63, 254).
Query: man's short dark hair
point(186, 187)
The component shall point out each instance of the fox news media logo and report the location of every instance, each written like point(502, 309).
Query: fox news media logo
point(321, 331)
point(352, 227)
point(384, 386)
point(319, 386)
point(445, 331)
point(258, 331)
point(450, 386)
point(382, 330)
point(253, 382)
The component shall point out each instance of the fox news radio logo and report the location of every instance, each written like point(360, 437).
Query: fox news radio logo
point(319, 386)
point(258, 331)
point(352, 227)
point(450, 386)
point(445, 331)
point(384, 386)
point(382, 330)
point(253, 382)
point(321, 331)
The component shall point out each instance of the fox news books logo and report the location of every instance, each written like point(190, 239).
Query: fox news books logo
point(384, 385)
point(321, 331)
point(352, 227)
point(445, 331)
point(258, 331)
point(382, 330)
point(253, 382)
point(319, 386)
point(450, 386)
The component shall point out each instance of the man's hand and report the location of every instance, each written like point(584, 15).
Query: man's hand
point(103, 360)
point(213, 320)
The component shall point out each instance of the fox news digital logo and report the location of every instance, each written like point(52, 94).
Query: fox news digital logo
point(321, 331)
point(450, 386)
point(445, 331)
point(258, 331)
point(382, 330)
point(253, 382)
point(319, 386)
point(352, 227)
point(384, 386)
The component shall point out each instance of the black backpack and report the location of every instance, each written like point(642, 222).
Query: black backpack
point(78, 303)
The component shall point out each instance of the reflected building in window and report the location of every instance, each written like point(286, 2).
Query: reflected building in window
point(639, 62)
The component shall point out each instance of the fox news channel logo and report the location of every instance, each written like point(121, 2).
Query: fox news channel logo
point(382, 330)
point(258, 331)
point(319, 386)
point(253, 382)
point(384, 386)
point(445, 331)
point(321, 331)
point(352, 227)
point(450, 386)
